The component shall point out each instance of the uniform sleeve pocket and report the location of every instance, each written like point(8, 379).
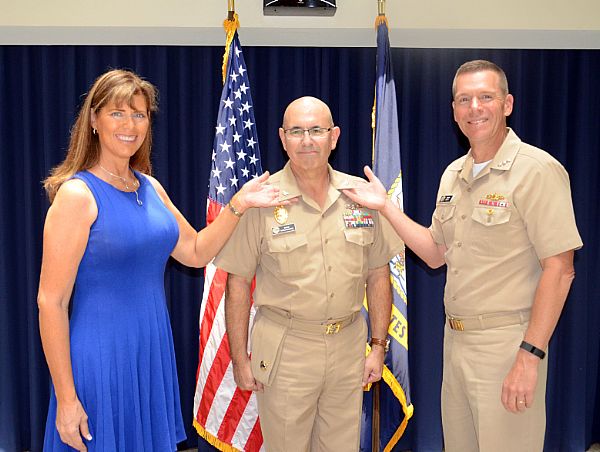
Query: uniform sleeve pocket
point(490, 216)
point(267, 344)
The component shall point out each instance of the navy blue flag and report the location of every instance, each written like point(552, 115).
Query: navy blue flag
point(395, 405)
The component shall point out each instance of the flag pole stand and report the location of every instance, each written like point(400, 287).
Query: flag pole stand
point(375, 418)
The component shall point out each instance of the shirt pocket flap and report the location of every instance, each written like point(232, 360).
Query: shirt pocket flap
point(444, 212)
point(287, 243)
point(267, 345)
point(490, 217)
point(359, 236)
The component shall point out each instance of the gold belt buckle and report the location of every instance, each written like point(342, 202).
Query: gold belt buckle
point(456, 324)
point(332, 328)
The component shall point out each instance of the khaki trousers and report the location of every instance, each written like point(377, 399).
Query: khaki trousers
point(315, 399)
point(473, 417)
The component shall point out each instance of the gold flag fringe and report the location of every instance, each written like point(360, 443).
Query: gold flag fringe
point(230, 27)
point(213, 440)
point(381, 19)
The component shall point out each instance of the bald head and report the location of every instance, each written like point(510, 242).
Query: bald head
point(306, 106)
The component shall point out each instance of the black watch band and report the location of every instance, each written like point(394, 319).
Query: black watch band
point(541, 354)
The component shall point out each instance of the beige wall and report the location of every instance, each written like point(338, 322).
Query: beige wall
point(415, 23)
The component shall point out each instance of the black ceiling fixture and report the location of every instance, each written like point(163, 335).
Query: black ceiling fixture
point(299, 7)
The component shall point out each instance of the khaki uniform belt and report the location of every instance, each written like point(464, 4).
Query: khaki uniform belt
point(487, 321)
point(307, 326)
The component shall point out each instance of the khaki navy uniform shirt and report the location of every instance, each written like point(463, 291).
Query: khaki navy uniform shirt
point(498, 225)
point(313, 264)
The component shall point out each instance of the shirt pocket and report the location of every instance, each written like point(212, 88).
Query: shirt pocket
point(358, 242)
point(444, 212)
point(445, 217)
point(491, 233)
point(489, 217)
point(290, 253)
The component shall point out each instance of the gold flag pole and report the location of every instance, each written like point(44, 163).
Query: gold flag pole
point(231, 8)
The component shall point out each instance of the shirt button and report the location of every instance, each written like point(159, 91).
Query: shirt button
point(463, 216)
point(331, 295)
point(455, 271)
point(459, 244)
point(453, 298)
point(326, 241)
point(329, 268)
point(469, 189)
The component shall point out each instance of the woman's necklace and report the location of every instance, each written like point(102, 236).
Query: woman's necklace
point(136, 184)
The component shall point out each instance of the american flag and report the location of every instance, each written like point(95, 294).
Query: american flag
point(223, 414)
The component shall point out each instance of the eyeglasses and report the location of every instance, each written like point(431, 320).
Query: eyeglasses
point(314, 132)
point(137, 117)
point(484, 98)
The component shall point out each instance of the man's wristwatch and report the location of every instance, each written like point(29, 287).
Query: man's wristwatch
point(541, 354)
point(385, 343)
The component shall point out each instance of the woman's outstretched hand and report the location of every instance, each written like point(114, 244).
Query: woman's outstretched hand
point(258, 192)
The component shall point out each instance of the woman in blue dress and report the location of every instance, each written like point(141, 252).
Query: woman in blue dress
point(109, 232)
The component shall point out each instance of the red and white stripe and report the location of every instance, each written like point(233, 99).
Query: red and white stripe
point(223, 414)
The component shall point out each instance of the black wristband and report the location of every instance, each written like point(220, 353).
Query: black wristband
point(541, 354)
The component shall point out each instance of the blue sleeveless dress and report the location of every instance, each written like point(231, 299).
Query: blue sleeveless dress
point(121, 342)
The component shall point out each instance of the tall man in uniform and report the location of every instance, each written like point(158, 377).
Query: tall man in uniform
point(311, 260)
point(504, 226)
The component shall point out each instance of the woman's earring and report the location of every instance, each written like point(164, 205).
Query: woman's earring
point(94, 131)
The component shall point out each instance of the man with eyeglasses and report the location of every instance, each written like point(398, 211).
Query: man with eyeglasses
point(504, 226)
point(312, 260)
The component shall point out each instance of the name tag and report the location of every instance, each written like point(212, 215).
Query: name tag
point(283, 229)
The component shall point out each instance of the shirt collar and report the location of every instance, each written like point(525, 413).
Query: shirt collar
point(338, 181)
point(502, 161)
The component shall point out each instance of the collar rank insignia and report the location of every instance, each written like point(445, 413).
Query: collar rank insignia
point(355, 217)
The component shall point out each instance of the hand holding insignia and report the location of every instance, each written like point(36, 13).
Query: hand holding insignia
point(370, 194)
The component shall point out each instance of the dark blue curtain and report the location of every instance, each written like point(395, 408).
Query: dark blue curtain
point(557, 106)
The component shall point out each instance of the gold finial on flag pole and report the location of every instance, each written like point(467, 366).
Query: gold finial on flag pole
point(380, 19)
